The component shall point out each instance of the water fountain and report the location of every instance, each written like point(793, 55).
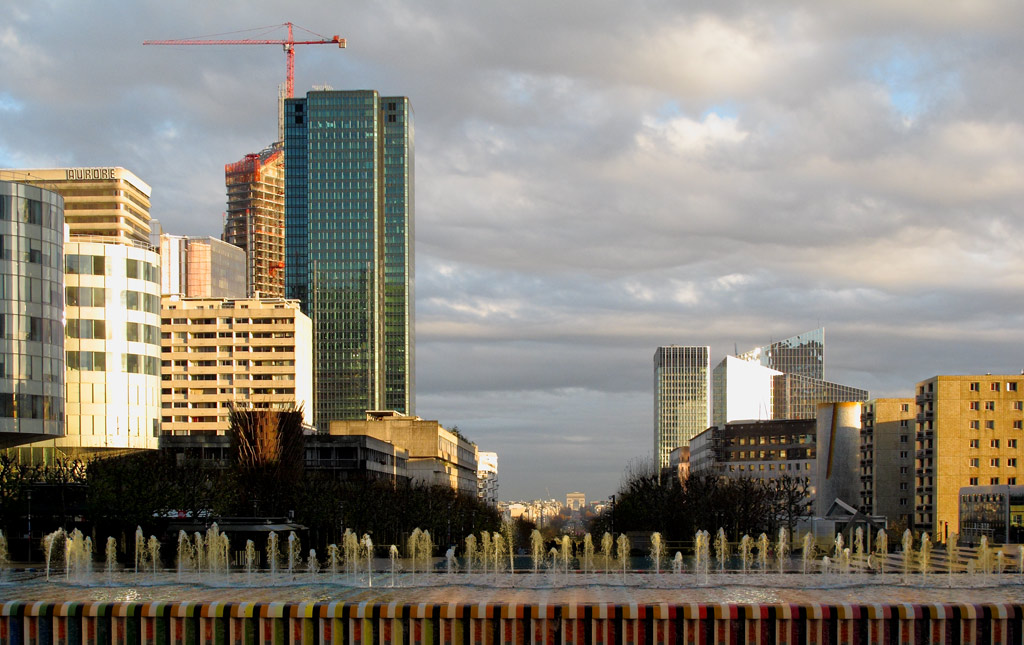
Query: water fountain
point(847, 575)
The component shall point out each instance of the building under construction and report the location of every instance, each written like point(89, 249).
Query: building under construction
point(255, 218)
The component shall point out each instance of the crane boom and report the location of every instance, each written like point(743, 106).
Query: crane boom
point(288, 44)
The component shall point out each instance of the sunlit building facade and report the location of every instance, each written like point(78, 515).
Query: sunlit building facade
point(112, 343)
point(252, 353)
point(31, 314)
point(969, 432)
point(110, 202)
point(349, 213)
point(487, 478)
point(682, 402)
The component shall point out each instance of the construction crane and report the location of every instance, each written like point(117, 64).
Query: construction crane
point(288, 44)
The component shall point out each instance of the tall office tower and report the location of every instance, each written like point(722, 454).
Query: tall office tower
point(31, 309)
point(969, 433)
point(803, 355)
point(255, 219)
point(201, 267)
point(112, 312)
point(106, 202)
point(887, 459)
point(682, 403)
point(349, 246)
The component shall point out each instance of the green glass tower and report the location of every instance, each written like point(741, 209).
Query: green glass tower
point(349, 246)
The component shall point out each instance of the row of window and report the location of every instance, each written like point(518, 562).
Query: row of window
point(29, 249)
point(993, 481)
point(994, 386)
point(1011, 462)
point(975, 424)
point(31, 406)
point(994, 443)
point(31, 328)
point(85, 361)
point(29, 211)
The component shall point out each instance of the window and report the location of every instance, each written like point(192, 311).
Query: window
point(974, 386)
point(1018, 405)
point(904, 470)
point(990, 405)
point(904, 407)
point(975, 425)
point(904, 486)
point(972, 405)
point(1011, 462)
point(903, 501)
point(1012, 481)
point(990, 425)
point(975, 443)
point(1011, 387)
point(1011, 443)
point(973, 481)
point(904, 423)
point(903, 438)
point(994, 443)
point(994, 386)
point(903, 454)
point(1018, 425)
point(974, 462)
point(994, 481)
point(994, 462)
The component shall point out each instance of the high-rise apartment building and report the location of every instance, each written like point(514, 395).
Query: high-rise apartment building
point(253, 353)
point(255, 218)
point(31, 310)
point(201, 267)
point(682, 402)
point(349, 246)
point(107, 202)
point(887, 441)
point(969, 432)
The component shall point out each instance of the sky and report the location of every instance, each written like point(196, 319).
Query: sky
point(595, 179)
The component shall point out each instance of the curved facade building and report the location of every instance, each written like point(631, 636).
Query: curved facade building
point(31, 314)
point(112, 342)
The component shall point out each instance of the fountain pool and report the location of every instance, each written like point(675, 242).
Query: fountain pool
point(843, 598)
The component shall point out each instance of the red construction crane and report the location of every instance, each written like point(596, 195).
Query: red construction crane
point(289, 47)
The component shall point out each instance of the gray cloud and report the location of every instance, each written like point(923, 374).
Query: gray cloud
point(595, 180)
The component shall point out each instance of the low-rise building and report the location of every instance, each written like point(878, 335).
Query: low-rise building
point(759, 449)
point(437, 456)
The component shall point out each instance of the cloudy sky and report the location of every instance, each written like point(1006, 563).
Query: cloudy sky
point(598, 178)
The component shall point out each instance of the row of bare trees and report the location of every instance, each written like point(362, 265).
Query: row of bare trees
point(647, 502)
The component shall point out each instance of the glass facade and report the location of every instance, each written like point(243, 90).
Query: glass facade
point(31, 314)
point(797, 397)
point(803, 354)
point(349, 246)
point(682, 387)
point(201, 267)
point(993, 512)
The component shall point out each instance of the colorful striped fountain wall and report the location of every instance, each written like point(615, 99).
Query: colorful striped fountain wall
point(323, 623)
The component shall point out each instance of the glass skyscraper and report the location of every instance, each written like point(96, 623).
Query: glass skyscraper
point(803, 354)
point(349, 212)
point(682, 403)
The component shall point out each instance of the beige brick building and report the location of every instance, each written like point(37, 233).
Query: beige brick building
point(251, 352)
point(437, 456)
point(887, 458)
point(969, 433)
